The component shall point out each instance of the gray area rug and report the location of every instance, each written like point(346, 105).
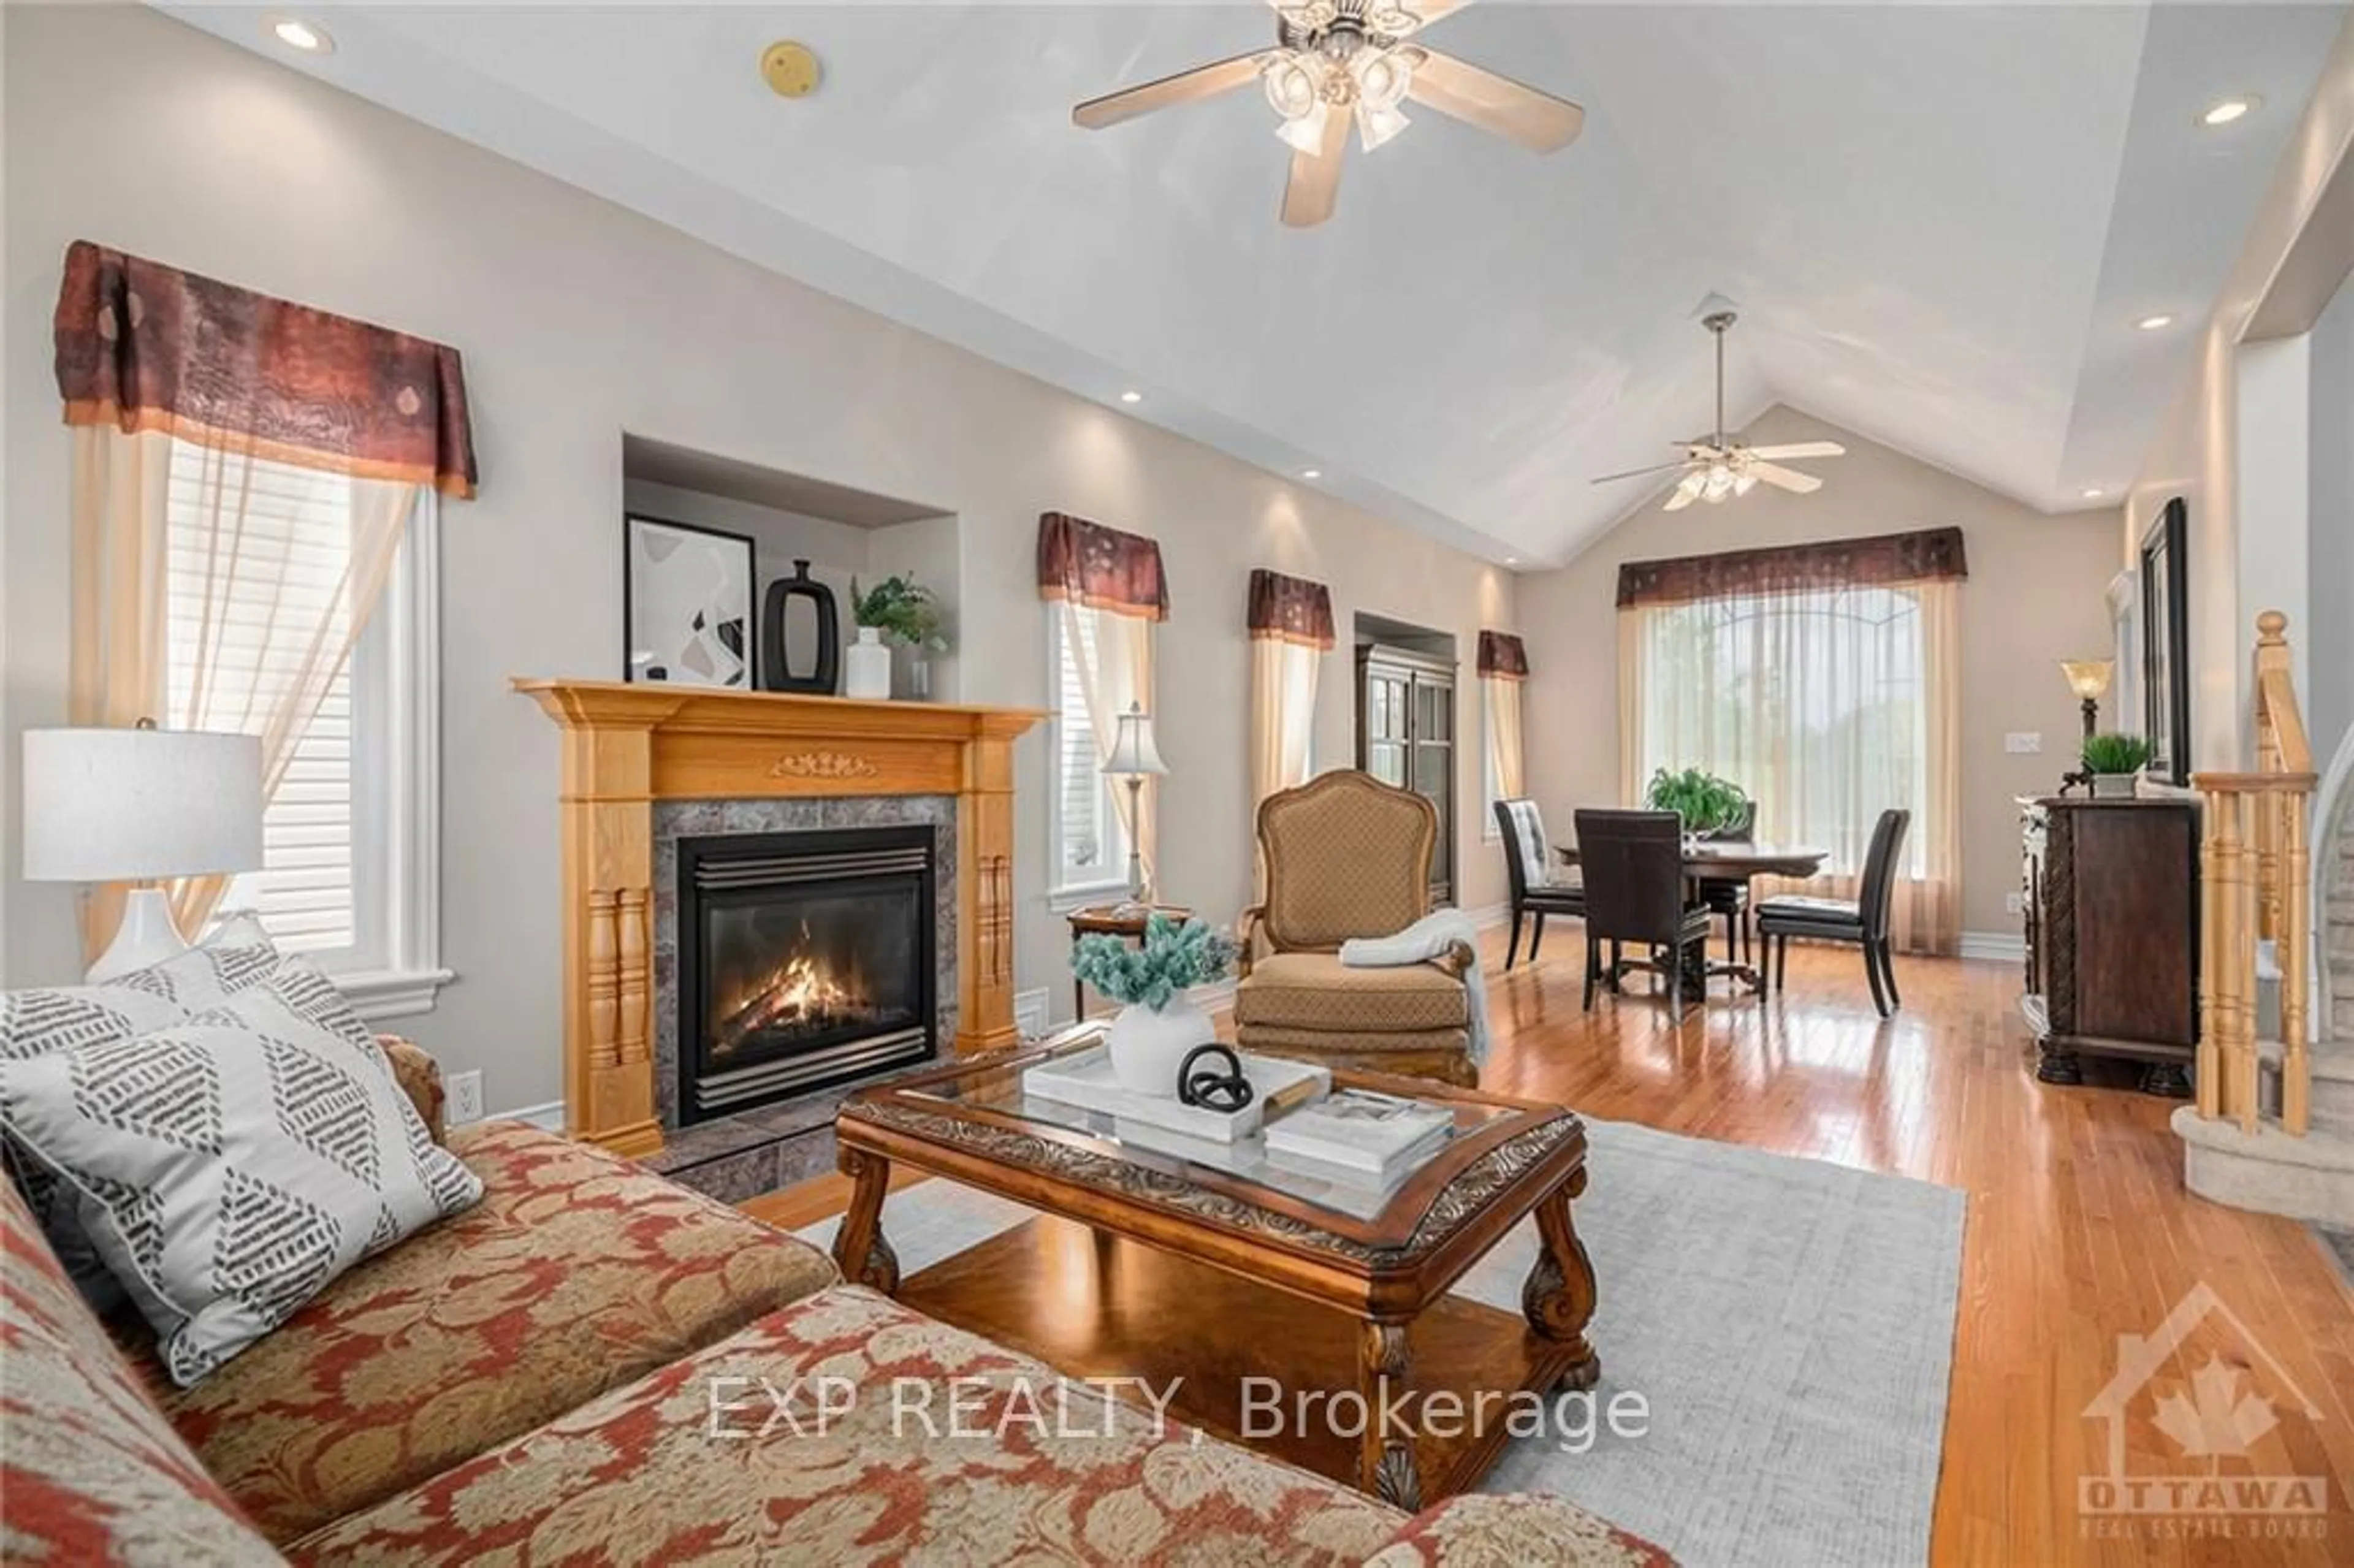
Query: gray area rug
point(1789, 1322)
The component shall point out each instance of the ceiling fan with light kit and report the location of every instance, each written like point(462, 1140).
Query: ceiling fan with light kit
point(1342, 62)
point(1717, 469)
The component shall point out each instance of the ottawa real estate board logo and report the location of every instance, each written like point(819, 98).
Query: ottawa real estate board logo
point(2201, 1429)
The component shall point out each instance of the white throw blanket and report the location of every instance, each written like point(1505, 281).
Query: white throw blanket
point(1427, 939)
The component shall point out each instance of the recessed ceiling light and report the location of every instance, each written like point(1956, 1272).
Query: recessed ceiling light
point(1511, 560)
point(2094, 494)
point(2153, 324)
point(297, 34)
point(1312, 473)
point(1131, 397)
point(2230, 109)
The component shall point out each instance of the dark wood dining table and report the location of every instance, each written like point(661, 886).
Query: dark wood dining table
point(1732, 860)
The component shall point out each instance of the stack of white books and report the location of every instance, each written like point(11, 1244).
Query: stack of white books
point(1376, 1135)
point(1087, 1080)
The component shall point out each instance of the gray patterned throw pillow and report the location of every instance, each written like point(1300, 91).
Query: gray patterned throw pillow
point(41, 1019)
point(227, 1167)
point(236, 953)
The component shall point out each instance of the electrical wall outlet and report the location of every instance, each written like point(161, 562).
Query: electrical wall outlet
point(2014, 902)
point(2023, 743)
point(465, 1099)
point(1030, 1013)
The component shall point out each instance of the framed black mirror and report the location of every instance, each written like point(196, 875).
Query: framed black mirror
point(2165, 642)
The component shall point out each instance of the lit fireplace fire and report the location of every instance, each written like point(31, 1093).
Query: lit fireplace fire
point(803, 994)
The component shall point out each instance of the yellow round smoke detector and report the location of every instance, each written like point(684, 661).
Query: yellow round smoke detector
point(790, 68)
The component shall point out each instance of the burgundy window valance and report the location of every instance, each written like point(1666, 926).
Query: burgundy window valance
point(1928, 556)
point(1100, 567)
point(1291, 609)
point(1503, 655)
point(143, 346)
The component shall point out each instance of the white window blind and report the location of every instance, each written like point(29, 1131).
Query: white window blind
point(1093, 849)
point(250, 541)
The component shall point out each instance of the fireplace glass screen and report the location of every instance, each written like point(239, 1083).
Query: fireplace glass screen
point(804, 959)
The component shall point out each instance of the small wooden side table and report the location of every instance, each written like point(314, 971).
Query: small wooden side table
point(1123, 919)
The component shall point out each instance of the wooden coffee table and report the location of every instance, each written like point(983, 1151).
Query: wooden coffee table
point(1213, 1266)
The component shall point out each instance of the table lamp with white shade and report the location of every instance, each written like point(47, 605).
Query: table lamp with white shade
point(1134, 757)
point(137, 806)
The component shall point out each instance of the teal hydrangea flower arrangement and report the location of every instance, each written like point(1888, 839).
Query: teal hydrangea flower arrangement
point(1172, 957)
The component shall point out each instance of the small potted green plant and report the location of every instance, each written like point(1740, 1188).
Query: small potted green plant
point(2115, 762)
point(1707, 803)
point(898, 609)
point(1157, 1023)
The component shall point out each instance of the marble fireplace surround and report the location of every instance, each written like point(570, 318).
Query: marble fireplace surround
point(639, 755)
point(735, 1156)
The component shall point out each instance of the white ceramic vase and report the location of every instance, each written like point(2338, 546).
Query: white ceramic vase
point(1148, 1048)
point(866, 667)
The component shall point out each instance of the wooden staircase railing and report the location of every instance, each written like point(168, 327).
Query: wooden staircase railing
point(2256, 885)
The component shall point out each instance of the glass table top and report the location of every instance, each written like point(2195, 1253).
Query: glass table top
point(999, 1089)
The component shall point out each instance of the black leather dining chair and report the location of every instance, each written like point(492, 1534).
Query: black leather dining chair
point(1528, 859)
point(1633, 862)
point(1729, 895)
point(1862, 920)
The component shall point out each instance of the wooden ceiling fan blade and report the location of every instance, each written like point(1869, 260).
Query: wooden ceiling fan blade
point(1186, 87)
point(1309, 195)
point(1801, 450)
point(1640, 473)
point(1789, 479)
point(1496, 104)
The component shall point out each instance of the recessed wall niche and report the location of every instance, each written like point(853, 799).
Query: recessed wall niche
point(844, 531)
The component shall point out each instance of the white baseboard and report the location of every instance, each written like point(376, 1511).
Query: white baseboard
point(2003, 946)
point(550, 1116)
point(1489, 916)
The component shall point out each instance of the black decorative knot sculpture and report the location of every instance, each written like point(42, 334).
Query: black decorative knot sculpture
point(1209, 1088)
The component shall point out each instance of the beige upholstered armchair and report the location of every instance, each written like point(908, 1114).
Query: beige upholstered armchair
point(1349, 856)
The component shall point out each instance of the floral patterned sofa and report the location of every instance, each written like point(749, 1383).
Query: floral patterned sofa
point(588, 1367)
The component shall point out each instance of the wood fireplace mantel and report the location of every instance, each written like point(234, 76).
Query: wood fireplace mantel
point(627, 746)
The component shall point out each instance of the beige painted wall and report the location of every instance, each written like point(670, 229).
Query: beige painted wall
point(580, 321)
point(2296, 251)
point(2034, 598)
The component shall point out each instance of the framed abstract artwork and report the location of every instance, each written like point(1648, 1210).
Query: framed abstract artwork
point(2165, 644)
point(687, 603)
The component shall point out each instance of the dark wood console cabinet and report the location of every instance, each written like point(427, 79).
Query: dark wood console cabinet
point(2112, 907)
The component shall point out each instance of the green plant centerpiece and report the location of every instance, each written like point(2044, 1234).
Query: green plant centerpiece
point(1707, 803)
point(2114, 760)
point(902, 609)
point(1157, 1025)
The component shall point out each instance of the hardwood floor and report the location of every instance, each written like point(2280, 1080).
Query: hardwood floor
point(2079, 1232)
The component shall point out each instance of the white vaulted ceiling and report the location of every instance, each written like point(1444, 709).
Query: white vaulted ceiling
point(1940, 222)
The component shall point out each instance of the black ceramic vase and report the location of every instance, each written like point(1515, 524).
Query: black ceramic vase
point(778, 676)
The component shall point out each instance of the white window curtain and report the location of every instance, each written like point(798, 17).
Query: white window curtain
point(243, 470)
point(1829, 700)
point(1108, 590)
point(1503, 667)
point(1291, 624)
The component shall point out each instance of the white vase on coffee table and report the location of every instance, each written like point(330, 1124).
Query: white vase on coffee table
point(1149, 1046)
point(866, 665)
